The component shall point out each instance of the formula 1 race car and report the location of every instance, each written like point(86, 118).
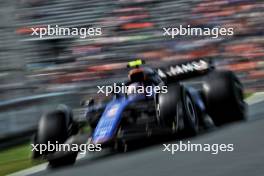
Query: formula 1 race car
point(182, 98)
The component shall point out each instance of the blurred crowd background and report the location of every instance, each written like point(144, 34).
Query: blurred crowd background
point(131, 29)
point(57, 66)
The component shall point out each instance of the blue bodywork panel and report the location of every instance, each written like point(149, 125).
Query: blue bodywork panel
point(109, 121)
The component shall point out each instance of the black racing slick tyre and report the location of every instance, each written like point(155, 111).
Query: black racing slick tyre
point(166, 105)
point(223, 94)
point(54, 129)
point(68, 159)
point(177, 104)
point(190, 114)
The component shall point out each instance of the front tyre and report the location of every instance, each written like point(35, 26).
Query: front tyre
point(54, 128)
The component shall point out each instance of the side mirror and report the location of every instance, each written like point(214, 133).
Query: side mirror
point(89, 102)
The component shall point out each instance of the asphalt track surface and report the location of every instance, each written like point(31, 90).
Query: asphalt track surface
point(247, 159)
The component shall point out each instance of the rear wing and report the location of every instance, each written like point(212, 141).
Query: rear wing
point(186, 70)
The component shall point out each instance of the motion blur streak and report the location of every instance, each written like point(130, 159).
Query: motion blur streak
point(73, 67)
point(66, 60)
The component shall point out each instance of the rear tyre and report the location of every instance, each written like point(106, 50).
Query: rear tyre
point(190, 114)
point(166, 106)
point(176, 103)
point(223, 94)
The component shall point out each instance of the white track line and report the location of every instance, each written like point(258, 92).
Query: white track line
point(255, 98)
point(31, 170)
point(39, 168)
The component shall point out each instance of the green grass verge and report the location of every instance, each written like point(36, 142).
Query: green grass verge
point(15, 159)
point(248, 94)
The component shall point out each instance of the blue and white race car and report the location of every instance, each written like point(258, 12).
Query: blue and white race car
point(183, 98)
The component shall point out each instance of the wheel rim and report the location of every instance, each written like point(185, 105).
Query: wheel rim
point(158, 112)
point(176, 120)
point(190, 109)
point(239, 94)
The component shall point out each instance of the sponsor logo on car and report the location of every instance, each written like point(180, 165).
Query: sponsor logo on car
point(184, 68)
